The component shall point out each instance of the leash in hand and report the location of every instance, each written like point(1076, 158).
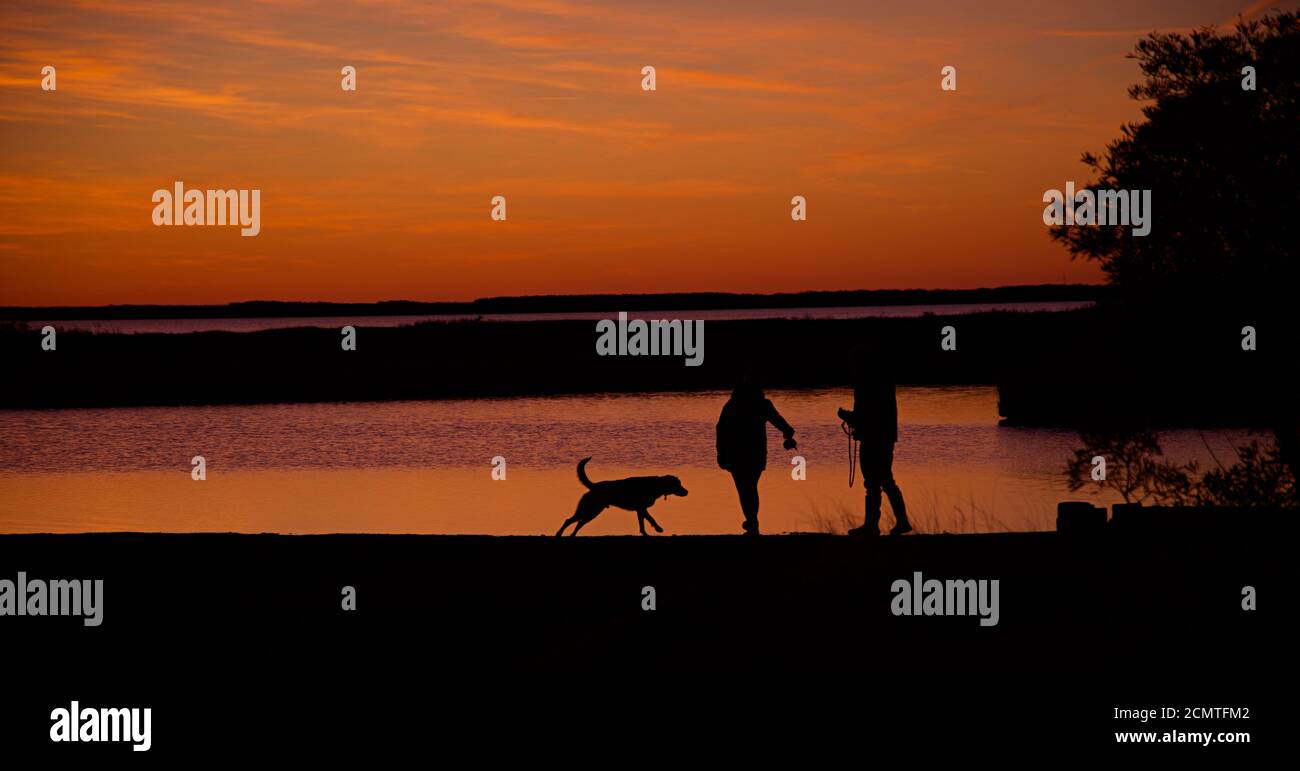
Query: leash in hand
point(844, 426)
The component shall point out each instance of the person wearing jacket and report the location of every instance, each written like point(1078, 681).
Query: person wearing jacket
point(874, 421)
point(742, 443)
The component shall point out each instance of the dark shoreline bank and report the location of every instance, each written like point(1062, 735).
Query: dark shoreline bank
point(1082, 367)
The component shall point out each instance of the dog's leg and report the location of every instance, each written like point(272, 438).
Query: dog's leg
point(586, 511)
point(646, 514)
point(640, 520)
point(589, 507)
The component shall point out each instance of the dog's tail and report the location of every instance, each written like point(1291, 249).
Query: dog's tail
point(582, 472)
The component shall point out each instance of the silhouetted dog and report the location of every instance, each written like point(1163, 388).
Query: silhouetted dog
point(634, 494)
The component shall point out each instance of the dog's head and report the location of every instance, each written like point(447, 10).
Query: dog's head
point(671, 485)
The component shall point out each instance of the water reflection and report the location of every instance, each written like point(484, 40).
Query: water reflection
point(425, 467)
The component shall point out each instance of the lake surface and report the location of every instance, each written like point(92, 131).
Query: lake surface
point(425, 467)
point(177, 326)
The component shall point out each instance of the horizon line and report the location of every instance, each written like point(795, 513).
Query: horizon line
point(581, 296)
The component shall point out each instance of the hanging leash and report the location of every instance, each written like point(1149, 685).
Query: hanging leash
point(852, 455)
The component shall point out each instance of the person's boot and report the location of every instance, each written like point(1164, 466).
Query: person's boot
point(750, 527)
point(901, 523)
point(871, 523)
point(900, 527)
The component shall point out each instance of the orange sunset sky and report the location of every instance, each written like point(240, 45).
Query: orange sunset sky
point(385, 193)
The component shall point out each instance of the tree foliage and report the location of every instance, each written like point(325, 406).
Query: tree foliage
point(1220, 161)
point(1138, 472)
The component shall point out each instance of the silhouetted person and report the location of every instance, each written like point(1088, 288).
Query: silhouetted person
point(874, 421)
point(742, 443)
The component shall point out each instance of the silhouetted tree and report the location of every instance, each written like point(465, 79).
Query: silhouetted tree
point(1258, 478)
point(1138, 472)
point(1134, 468)
point(1221, 162)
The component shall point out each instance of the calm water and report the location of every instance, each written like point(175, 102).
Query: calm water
point(424, 467)
point(254, 324)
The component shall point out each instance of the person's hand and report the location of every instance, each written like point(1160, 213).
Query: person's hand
point(791, 444)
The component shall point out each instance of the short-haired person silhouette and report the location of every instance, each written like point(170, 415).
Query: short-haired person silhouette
point(742, 443)
point(874, 421)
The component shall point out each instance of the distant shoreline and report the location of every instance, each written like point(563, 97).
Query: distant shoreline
point(246, 324)
point(674, 301)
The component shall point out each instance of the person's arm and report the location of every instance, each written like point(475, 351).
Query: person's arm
point(851, 417)
point(787, 431)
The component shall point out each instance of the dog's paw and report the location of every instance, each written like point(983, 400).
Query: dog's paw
point(658, 529)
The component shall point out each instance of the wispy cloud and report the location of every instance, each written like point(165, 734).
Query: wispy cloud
point(540, 100)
